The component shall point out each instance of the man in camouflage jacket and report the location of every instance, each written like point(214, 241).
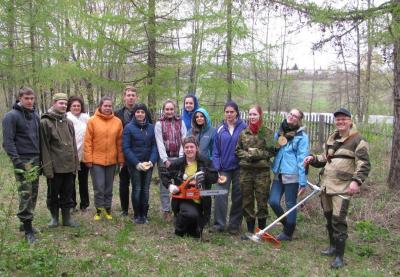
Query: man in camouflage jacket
point(346, 165)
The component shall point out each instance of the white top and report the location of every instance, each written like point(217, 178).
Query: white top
point(80, 123)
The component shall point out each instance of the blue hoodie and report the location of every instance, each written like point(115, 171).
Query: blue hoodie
point(224, 155)
point(187, 116)
point(206, 135)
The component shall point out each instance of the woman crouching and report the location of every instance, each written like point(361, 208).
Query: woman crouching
point(190, 215)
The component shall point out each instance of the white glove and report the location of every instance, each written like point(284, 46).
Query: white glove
point(151, 164)
point(173, 189)
point(140, 167)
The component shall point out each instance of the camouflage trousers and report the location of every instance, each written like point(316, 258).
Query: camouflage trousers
point(27, 192)
point(335, 211)
point(255, 185)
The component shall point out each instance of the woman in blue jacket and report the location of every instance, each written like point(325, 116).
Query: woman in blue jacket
point(288, 168)
point(226, 163)
point(140, 150)
point(203, 131)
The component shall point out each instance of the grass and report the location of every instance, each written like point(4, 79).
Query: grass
point(120, 248)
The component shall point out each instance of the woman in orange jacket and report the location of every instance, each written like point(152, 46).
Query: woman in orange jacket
point(102, 153)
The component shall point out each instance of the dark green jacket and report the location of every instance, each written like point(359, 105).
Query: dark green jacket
point(58, 147)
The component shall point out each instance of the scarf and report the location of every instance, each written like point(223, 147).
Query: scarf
point(255, 127)
point(171, 131)
point(287, 130)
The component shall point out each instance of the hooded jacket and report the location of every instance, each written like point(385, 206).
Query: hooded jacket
point(80, 123)
point(206, 135)
point(187, 116)
point(224, 156)
point(103, 140)
point(21, 134)
point(139, 143)
point(57, 140)
point(290, 157)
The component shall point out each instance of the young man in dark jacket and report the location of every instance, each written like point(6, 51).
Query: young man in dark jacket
point(21, 143)
point(60, 159)
point(125, 115)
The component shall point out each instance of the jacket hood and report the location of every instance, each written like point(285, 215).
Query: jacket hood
point(206, 115)
point(53, 115)
point(103, 116)
point(28, 114)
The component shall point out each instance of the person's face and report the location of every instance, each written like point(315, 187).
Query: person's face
point(60, 106)
point(343, 123)
point(130, 98)
point(254, 116)
point(76, 108)
point(200, 119)
point(140, 115)
point(190, 150)
point(106, 107)
point(230, 114)
point(169, 110)
point(27, 101)
point(293, 117)
point(189, 104)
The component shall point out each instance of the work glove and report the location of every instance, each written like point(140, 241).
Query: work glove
point(140, 167)
point(151, 164)
point(173, 189)
point(200, 178)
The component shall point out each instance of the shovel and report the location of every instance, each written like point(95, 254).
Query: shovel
point(263, 235)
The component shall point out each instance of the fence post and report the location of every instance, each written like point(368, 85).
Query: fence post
point(321, 132)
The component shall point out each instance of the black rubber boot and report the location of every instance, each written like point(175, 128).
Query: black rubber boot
point(54, 212)
point(338, 262)
point(29, 235)
point(262, 223)
point(22, 229)
point(66, 218)
point(331, 250)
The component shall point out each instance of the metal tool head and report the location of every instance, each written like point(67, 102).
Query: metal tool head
point(253, 237)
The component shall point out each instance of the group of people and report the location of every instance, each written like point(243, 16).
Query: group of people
point(236, 157)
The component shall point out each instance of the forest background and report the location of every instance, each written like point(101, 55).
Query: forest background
point(218, 50)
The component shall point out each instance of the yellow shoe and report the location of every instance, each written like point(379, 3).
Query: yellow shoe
point(97, 216)
point(107, 215)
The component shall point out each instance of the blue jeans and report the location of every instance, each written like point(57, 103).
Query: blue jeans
point(275, 196)
point(140, 191)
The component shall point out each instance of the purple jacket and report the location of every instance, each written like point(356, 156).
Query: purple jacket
point(224, 156)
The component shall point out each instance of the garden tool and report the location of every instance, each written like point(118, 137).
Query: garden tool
point(188, 190)
point(263, 235)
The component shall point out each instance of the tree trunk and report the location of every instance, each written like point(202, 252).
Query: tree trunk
point(11, 93)
point(394, 171)
point(359, 100)
point(229, 78)
point(368, 70)
point(151, 56)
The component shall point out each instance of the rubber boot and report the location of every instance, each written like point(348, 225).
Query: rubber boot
point(288, 230)
point(54, 212)
point(66, 218)
point(331, 250)
point(262, 222)
point(29, 235)
point(338, 262)
point(251, 223)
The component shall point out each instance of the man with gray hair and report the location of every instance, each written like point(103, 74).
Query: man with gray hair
point(21, 143)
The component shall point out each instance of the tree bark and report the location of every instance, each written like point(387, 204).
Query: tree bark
point(151, 56)
point(229, 78)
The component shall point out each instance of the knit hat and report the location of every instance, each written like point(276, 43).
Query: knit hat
point(233, 105)
point(143, 107)
point(60, 96)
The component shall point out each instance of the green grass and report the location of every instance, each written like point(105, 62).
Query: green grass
point(121, 248)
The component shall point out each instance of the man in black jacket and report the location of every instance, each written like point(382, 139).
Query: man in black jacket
point(125, 115)
point(21, 143)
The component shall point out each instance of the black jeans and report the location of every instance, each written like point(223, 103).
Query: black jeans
point(83, 175)
point(59, 191)
point(188, 217)
point(124, 179)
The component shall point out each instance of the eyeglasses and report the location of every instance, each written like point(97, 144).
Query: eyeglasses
point(294, 115)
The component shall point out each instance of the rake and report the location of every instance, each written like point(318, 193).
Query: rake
point(263, 235)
